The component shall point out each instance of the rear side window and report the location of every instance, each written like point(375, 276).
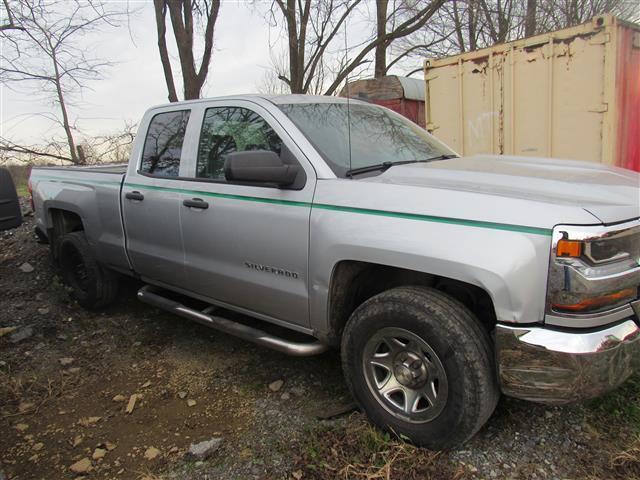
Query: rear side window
point(227, 130)
point(163, 144)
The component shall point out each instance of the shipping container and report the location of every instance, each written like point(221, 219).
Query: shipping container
point(572, 93)
point(401, 94)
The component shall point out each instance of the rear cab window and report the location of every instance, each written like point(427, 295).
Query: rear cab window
point(163, 144)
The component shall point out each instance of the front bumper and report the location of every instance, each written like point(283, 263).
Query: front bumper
point(560, 366)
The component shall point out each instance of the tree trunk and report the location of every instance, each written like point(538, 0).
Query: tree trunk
point(161, 10)
point(63, 108)
point(66, 125)
point(295, 52)
point(380, 69)
point(181, 13)
point(458, 27)
point(472, 25)
point(183, 31)
point(530, 18)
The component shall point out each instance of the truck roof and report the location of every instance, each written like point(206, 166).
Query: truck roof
point(275, 99)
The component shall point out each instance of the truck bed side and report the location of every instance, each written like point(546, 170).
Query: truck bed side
point(70, 199)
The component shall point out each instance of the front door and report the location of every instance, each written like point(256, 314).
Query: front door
point(248, 249)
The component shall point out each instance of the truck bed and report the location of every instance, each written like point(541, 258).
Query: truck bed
point(91, 193)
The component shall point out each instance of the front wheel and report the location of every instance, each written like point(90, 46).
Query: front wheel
point(420, 365)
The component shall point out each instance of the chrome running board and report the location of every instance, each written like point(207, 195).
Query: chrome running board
point(150, 295)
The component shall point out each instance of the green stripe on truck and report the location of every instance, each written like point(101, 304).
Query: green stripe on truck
point(322, 206)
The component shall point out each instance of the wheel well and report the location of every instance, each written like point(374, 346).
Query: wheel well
point(62, 222)
point(354, 282)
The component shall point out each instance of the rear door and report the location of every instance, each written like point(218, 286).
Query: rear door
point(151, 198)
point(248, 249)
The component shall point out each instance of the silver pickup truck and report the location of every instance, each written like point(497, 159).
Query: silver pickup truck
point(444, 280)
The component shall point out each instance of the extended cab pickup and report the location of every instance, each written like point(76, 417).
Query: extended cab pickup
point(443, 280)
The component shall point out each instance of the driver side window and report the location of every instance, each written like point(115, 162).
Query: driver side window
point(227, 130)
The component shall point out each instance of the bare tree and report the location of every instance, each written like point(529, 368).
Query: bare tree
point(401, 22)
point(11, 152)
point(482, 23)
point(185, 16)
point(555, 14)
point(310, 27)
point(48, 52)
point(10, 22)
point(112, 147)
point(423, 10)
point(107, 148)
point(314, 32)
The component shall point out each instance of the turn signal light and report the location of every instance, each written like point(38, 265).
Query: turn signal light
point(594, 303)
point(569, 248)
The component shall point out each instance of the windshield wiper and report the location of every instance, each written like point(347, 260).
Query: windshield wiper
point(386, 165)
point(370, 168)
point(440, 157)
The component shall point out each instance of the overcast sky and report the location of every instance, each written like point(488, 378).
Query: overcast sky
point(240, 61)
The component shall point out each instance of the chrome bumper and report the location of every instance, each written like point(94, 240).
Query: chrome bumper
point(555, 367)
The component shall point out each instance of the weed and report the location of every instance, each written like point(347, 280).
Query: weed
point(627, 462)
point(621, 406)
point(359, 450)
point(614, 450)
point(59, 290)
point(23, 190)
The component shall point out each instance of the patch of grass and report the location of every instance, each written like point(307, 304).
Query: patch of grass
point(360, 451)
point(614, 449)
point(627, 461)
point(23, 190)
point(60, 292)
point(622, 406)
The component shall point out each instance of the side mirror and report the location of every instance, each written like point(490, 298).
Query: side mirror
point(259, 166)
point(10, 214)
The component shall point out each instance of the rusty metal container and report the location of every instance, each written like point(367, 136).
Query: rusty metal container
point(401, 94)
point(572, 93)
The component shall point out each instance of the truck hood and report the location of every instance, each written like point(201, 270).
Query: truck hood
point(610, 194)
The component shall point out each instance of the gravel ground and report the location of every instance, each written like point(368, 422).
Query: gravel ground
point(68, 376)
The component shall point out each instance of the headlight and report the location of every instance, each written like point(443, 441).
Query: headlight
point(612, 249)
point(593, 269)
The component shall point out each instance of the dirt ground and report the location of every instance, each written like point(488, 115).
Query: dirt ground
point(68, 375)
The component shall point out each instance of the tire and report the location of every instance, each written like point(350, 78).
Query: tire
point(421, 366)
point(92, 285)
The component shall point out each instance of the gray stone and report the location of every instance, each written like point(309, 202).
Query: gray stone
point(202, 450)
point(297, 391)
point(275, 386)
point(26, 267)
point(21, 335)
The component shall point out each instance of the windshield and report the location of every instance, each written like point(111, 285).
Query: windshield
point(378, 135)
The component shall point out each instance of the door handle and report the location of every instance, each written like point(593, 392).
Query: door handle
point(134, 195)
point(196, 203)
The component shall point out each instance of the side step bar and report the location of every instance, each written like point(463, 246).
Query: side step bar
point(147, 295)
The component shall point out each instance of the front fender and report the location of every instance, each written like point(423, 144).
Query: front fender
point(511, 266)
